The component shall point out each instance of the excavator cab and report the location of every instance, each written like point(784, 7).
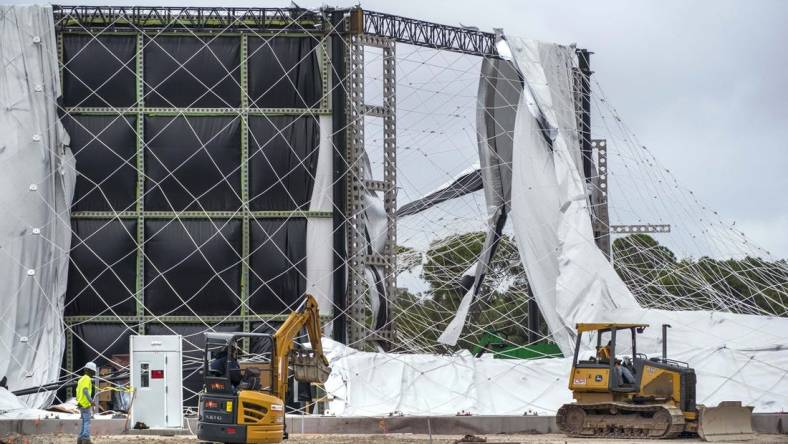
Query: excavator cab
point(237, 404)
point(243, 399)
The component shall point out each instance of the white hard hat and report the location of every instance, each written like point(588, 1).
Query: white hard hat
point(91, 366)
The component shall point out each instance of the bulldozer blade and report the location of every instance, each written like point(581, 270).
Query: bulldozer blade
point(729, 421)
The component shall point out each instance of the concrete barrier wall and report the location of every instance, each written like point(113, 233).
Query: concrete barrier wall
point(768, 423)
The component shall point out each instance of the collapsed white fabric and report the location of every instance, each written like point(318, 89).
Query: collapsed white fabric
point(366, 383)
point(37, 178)
point(319, 257)
point(736, 357)
point(370, 384)
point(568, 273)
point(12, 408)
point(572, 280)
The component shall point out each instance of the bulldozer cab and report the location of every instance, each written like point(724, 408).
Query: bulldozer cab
point(615, 365)
point(226, 369)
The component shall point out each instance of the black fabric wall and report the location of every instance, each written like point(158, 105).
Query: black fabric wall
point(102, 270)
point(190, 147)
point(282, 161)
point(99, 71)
point(193, 163)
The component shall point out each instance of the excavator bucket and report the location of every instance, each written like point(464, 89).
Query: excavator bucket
point(729, 421)
point(309, 368)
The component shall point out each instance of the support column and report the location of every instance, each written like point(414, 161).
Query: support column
point(599, 199)
point(140, 207)
point(245, 211)
point(583, 102)
point(356, 253)
point(390, 169)
point(339, 122)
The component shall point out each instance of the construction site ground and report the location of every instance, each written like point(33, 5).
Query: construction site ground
point(397, 438)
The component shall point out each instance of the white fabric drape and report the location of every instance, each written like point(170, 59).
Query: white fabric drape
point(37, 176)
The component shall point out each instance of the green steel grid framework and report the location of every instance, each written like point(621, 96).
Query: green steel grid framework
point(355, 28)
point(141, 318)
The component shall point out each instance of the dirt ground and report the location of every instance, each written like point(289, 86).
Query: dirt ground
point(366, 439)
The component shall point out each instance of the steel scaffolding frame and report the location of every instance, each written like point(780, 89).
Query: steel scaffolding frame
point(344, 34)
point(88, 21)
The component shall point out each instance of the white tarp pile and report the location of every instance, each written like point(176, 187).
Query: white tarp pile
point(366, 383)
point(736, 357)
point(12, 407)
point(37, 182)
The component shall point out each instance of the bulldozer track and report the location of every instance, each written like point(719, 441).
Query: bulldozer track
point(620, 420)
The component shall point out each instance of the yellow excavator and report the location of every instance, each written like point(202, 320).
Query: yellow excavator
point(634, 396)
point(244, 402)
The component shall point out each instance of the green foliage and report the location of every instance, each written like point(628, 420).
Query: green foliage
point(505, 289)
point(652, 273)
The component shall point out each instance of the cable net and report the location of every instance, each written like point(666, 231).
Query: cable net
point(205, 195)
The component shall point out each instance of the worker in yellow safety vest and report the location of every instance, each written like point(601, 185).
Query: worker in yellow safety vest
point(85, 401)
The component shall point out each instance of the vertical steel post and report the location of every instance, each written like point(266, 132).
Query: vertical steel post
point(339, 121)
point(390, 169)
point(583, 95)
point(140, 207)
point(534, 319)
point(599, 199)
point(356, 253)
point(245, 222)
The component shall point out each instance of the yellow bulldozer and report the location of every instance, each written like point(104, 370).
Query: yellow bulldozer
point(621, 393)
point(244, 402)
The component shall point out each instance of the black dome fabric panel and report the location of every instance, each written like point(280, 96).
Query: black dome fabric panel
point(103, 263)
point(277, 272)
point(193, 163)
point(98, 342)
point(192, 71)
point(285, 72)
point(99, 71)
point(283, 153)
point(105, 148)
point(193, 267)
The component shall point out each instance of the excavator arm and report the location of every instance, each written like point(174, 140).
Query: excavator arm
point(311, 366)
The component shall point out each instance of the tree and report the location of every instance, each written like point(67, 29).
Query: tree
point(658, 280)
point(504, 293)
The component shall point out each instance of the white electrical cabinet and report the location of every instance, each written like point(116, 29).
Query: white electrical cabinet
point(157, 381)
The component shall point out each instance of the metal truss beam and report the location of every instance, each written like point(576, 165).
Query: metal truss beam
point(196, 19)
point(430, 35)
point(189, 19)
point(200, 214)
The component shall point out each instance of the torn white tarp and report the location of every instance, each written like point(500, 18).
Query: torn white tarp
point(319, 258)
point(366, 383)
point(571, 278)
point(12, 408)
point(370, 384)
point(37, 181)
point(500, 88)
point(736, 357)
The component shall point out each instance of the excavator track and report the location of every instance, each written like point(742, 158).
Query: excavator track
point(620, 420)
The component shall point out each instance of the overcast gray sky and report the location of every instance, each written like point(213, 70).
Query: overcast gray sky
point(702, 84)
